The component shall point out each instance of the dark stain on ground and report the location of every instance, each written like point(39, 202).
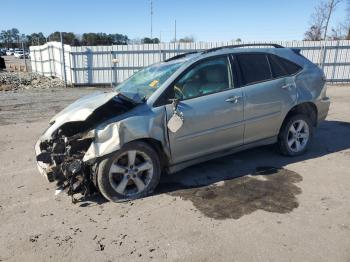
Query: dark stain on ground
point(268, 188)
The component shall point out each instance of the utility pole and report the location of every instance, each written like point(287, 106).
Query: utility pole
point(175, 31)
point(151, 20)
point(24, 56)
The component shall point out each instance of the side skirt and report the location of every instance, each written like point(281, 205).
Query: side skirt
point(177, 167)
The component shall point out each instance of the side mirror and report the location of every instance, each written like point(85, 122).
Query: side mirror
point(177, 119)
point(174, 103)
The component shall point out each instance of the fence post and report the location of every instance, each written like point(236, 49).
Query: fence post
point(49, 56)
point(70, 67)
point(335, 60)
point(41, 62)
point(112, 66)
point(63, 63)
point(324, 55)
point(73, 69)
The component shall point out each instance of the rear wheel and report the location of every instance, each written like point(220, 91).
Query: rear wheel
point(130, 173)
point(295, 135)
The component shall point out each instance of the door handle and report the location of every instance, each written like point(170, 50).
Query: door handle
point(287, 87)
point(233, 99)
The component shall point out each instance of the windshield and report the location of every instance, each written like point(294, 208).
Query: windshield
point(140, 86)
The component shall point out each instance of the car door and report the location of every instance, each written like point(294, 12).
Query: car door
point(211, 107)
point(265, 96)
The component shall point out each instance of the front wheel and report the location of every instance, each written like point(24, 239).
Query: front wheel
point(130, 173)
point(295, 135)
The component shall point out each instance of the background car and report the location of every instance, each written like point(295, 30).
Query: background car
point(10, 51)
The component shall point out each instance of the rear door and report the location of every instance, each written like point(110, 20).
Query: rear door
point(266, 95)
point(212, 110)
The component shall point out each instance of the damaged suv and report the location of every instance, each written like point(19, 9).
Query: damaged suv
point(185, 110)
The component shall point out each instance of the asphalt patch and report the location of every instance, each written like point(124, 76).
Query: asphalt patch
point(269, 188)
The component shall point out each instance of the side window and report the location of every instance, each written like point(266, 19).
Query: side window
point(276, 67)
point(209, 76)
point(289, 66)
point(254, 68)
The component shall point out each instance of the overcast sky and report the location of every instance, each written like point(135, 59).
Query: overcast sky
point(206, 20)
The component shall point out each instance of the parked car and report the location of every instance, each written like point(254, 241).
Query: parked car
point(10, 51)
point(185, 110)
point(21, 54)
point(3, 51)
point(18, 53)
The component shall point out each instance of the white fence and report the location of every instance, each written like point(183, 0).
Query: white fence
point(92, 65)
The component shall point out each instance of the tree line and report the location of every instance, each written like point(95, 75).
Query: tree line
point(12, 38)
point(319, 23)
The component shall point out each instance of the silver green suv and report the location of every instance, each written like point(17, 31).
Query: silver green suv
point(185, 110)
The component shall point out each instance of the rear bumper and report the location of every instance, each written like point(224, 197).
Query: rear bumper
point(323, 108)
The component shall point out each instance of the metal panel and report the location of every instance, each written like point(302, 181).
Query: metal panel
point(89, 65)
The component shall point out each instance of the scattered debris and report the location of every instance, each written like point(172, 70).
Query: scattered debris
point(10, 81)
point(100, 246)
point(34, 238)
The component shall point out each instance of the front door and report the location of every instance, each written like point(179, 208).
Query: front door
point(212, 111)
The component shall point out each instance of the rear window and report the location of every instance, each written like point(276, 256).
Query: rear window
point(276, 67)
point(289, 66)
point(254, 68)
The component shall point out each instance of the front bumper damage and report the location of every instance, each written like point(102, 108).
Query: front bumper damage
point(63, 151)
point(87, 132)
point(60, 160)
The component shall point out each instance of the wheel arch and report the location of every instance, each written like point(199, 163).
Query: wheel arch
point(158, 147)
point(306, 108)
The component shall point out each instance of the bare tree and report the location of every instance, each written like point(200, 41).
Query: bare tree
point(330, 9)
point(342, 30)
point(320, 20)
point(339, 32)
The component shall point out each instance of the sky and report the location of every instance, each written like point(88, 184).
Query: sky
point(206, 20)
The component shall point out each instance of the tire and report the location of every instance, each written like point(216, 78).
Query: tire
point(116, 173)
point(286, 136)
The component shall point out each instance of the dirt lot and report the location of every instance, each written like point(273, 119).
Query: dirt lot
point(251, 206)
point(14, 61)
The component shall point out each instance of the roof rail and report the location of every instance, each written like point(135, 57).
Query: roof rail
point(242, 45)
point(180, 56)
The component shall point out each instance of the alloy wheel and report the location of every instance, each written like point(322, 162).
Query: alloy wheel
point(131, 172)
point(298, 136)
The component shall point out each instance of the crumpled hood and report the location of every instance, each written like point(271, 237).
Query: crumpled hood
point(80, 110)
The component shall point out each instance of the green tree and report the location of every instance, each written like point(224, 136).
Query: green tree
point(187, 39)
point(69, 38)
point(96, 39)
point(10, 37)
point(148, 40)
point(36, 39)
point(119, 39)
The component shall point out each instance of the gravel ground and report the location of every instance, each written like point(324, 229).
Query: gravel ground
point(252, 206)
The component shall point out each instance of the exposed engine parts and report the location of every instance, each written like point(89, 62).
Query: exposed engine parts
point(62, 151)
point(63, 155)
